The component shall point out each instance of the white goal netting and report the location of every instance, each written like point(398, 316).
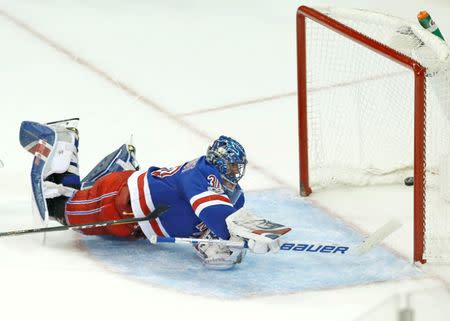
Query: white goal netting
point(361, 112)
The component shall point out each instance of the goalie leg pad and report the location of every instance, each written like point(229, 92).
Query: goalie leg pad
point(55, 159)
point(123, 158)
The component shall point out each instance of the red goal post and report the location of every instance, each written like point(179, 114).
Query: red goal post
point(307, 16)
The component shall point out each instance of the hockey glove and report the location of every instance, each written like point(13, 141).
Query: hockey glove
point(216, 256)
point(262, 235)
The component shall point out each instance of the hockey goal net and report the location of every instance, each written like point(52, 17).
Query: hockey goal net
point(374, 108)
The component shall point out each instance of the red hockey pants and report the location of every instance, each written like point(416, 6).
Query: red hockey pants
point(108, 199)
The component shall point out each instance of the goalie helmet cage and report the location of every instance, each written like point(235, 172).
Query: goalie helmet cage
point(373, 107)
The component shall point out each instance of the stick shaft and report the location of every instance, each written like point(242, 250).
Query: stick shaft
point(300, 246)
point(161, 239)
point(296, 246)
point(153, 215)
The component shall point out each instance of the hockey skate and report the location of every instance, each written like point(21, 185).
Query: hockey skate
point(54, 173)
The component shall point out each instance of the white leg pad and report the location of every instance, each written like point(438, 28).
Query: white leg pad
point(65, 153)
point(52, 190)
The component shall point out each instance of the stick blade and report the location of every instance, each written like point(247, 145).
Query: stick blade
point(377, 237)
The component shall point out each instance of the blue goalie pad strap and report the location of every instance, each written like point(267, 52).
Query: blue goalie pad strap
point(71, 180)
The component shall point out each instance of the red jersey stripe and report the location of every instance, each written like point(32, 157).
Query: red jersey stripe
point(155, 227)
point(208, 198)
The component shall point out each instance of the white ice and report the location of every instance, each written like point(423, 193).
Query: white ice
point(152, 69)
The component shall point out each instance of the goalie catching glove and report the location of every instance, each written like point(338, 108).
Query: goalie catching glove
point(261, 235)
point(216, 256)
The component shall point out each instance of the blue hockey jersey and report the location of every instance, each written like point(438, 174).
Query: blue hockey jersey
point(194, 193)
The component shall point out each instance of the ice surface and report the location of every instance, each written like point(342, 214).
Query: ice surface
point(184, 56)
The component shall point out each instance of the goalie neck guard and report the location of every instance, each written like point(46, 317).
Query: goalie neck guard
point(228, 156)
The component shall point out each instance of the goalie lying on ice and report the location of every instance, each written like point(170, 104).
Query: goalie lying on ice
point(203, 195)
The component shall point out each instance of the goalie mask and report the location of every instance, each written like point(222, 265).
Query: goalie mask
point(228, 156)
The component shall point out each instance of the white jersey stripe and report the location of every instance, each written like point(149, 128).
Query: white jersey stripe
point(136, 207)
point(148, 196)
point(134, 193)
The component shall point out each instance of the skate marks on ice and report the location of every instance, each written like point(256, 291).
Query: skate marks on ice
point(177, 267)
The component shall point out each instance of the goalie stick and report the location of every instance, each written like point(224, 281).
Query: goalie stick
point(62, 121)
point(300, 246)
point(153, 215)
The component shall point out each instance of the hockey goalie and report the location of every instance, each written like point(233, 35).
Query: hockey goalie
point(204, 197)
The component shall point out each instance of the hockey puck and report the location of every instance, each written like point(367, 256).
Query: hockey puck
point(409, 181)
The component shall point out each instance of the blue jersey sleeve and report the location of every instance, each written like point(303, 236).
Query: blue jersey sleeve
point(207, 199)
point(240, 202)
